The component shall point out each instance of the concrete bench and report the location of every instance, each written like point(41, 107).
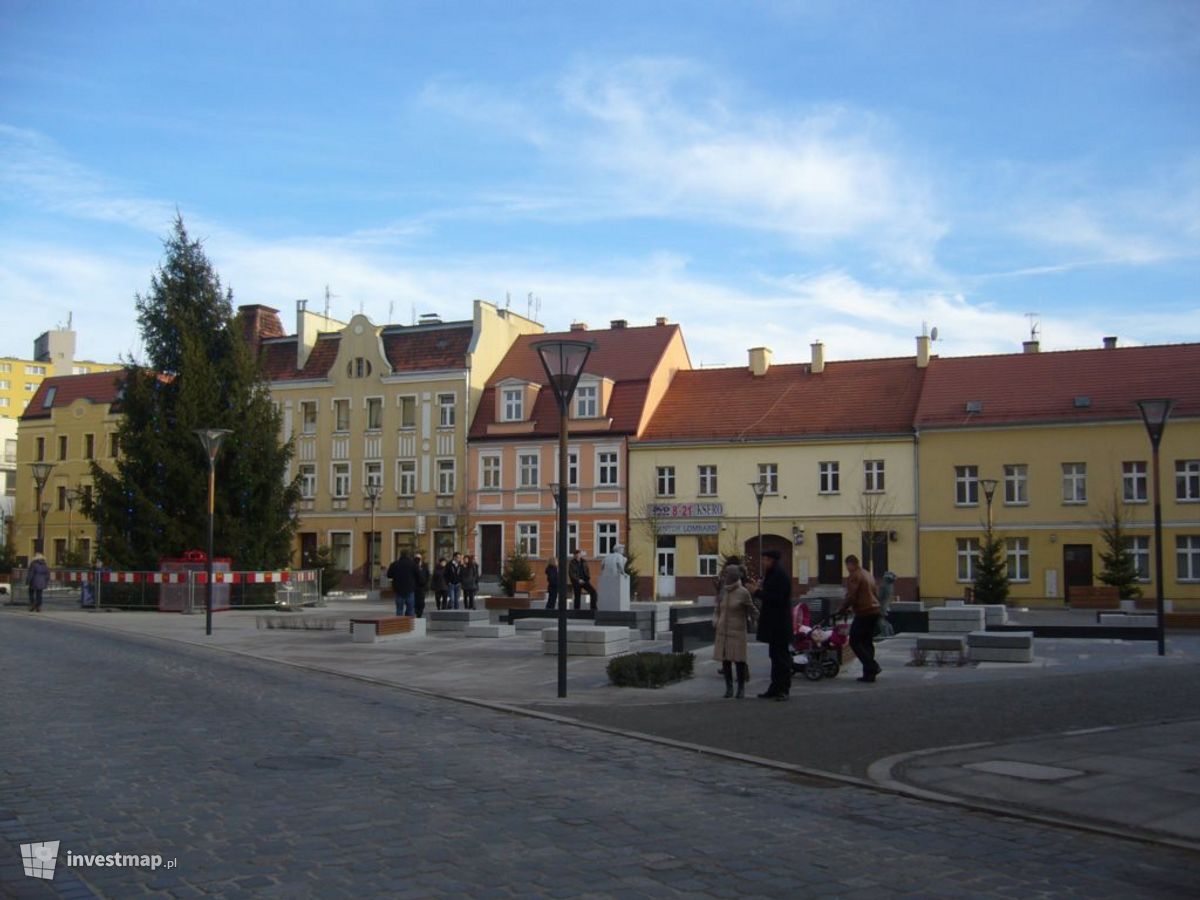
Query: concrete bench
point(295, 622)
point(588, 640)
point(994, 614)
point(1000, 646)
point(377, 629)
point(942, 643)
point(454, 620)
point(489, 631)
point(956, 619)
point(1137, 619)
point(538, 625)
point(906, 606)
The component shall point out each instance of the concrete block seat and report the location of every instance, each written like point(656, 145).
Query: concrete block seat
point(995, 614)
point(377, 629)
point(455, 620)
point(1000, 646)
point(489, 631)
point(906, 606)
point(588, 640)
point(538, 625)
point(956, 619)
point(1140, 619)
point(942, 643)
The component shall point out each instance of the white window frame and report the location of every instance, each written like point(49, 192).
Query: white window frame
point(529, 539)
point(307, 427)
point(529, 476)
point(572, 466)
point(1135, 483)
point(349, 546)
point(708, 565)
point(829, 477)
point(1016, 484)
point(874, 480)
point(512, 404)
point(607, 535)
point(587, 401)
point(406, 476)
point(1016, 550)
point(400, 401)
point(966, 485)
point(608, 473)
point(372, 473)
point(706, 478)
point(1187, 558)
point(966, 555)
point(340, 403)
point(1074, 483)
point(664, 481)
point(340, 477)
point(308, 480)
point(1187, 480)
point(1139, 547)
point(447, 410)
point(446, 467)
point(769, 472)
point(485, 482)
point(375, 403)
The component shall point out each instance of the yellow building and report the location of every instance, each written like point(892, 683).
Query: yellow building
point(833, 444)
point(70, 422)
point(1062, 438)
point(381, 410)
point(53, 355)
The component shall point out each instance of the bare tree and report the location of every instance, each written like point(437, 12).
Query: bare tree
point(874, 516)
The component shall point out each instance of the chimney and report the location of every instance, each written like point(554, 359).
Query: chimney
point(661, 320)
point(760, 361)
point(258, 323)
point(579, 326)
point(1110, 342)
point(618, 323)
point(1030, 347)
point(922, 351)
point(818, 358)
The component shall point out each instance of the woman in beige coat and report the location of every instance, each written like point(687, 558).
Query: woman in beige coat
point(734, 615)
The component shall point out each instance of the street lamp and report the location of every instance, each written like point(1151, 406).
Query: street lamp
point(989, 491)
point(41, 474)
point(210, 439)
point(563, 361)
point(72, 495)
point(760, 490)
point(1154, 415)
point(373, 492)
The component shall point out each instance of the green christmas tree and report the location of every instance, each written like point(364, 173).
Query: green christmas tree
point(198, 373)
point(991, 570)
point(1120, 566)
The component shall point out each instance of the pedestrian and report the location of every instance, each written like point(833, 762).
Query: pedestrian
point(733, 617)
point(887, 590)
point(470, 581)
point(860, 596)
point(37, 579)
point(402, 573)
point(552, 583)
point(736, 561)
point(581, 579)
point(437, 582)
point(420, 584)
point(454, 579)
point(775, 623)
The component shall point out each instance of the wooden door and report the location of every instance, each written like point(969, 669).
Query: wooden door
point(829, 558)
point(490, 551)
point(1077, 566)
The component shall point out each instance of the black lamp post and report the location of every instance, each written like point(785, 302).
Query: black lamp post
point(372, 494)
point(989, 491)
point(210, 439)
point(41, 474)
point(72, 495)
point(1155, 414)
point(760, 490)
point(563, 361)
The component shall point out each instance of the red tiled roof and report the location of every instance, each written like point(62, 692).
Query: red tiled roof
point(408, 349)
point(627, 356)
point(852, 397)
point(96, 387)
point(1044, 387)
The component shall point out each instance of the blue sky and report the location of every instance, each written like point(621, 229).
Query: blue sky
point(764, 173)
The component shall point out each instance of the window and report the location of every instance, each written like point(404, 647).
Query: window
point(62, 497)
point(1133, 482)
point(341, 415)
point(1016, 485)
point(114, 444)
point(87, 496)
point(572, 537)
point(489, 473)
point(665, 485)
point(374, 413)
point(339, 544)
point(1187, 479)
point(406, 478)
point(572, 468)
point(873, 476)
point(607, 473)
point(341, 480)
point(966, 486)
point(527, 538)
point(606, 538)
point(4, 401)
point(308, 481)
point(514, 404)
point(1139, 548)
point(79, 370)
point(1187, 557)
point(446, 410)
point(1018, 558)
point(31, 386)
point(35, 370)
point(445, 476)
point(585, 401)
point(308, 416)
point(40, 452)
point(89, 446)
point(967, 553)
point(527, 468)
point(408, 411)
point(708, 481)
point(708, 557)
point(828, 478)
point(1074, 482)
point(5, 367)
point(62, 446)
point(5, 384)
point(358, 368)
point(769, 472)
point(373, 475)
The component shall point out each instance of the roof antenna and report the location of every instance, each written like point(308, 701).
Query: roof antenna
point(1035, 327)
point(391, 308)
point(529, 304)
point(328, 297)
point(507, 299)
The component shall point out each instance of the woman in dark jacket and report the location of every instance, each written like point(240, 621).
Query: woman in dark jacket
point(420, 583)
point(437, 582)
point(38, 579)
point(551, 583)
point(470, 581)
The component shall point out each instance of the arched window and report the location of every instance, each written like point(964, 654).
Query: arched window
point(358, 368)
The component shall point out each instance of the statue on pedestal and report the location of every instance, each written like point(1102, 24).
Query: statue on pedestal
point(614, 583)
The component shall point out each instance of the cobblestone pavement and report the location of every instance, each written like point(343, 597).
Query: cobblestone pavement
point(264, 781)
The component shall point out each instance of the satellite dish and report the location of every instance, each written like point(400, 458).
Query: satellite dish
point(933, 334)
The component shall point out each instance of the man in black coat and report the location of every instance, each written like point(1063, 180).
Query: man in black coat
point(420, 584)
point(775, 623)
point(402, 573)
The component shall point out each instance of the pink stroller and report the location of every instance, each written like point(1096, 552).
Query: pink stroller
point(817, 650)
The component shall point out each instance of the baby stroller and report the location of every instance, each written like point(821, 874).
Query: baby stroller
point(817, 650)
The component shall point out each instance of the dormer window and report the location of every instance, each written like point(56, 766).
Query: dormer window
point(358, 368)
point(586, 401)
point(514, 404)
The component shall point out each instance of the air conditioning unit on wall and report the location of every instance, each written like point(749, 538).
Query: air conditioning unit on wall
point(446, 521)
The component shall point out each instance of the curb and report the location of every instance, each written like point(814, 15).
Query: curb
point(879, 774)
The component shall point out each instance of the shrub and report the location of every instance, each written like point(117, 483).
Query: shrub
point(650, 669)
point(331, 575)
point(516, 568)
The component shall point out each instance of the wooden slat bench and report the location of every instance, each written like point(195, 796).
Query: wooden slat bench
point(373, 629)
point(1096, 597)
